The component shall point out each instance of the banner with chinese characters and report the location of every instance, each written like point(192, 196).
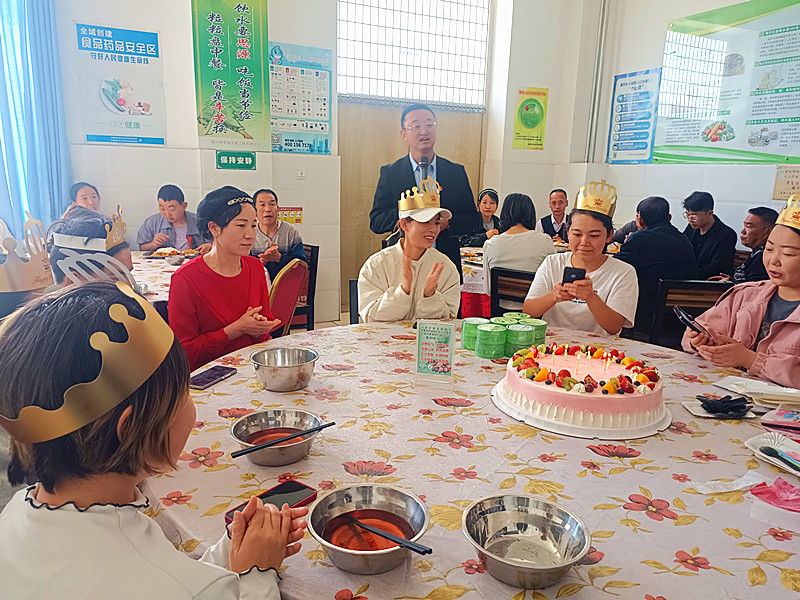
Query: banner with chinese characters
point(300, 98)
point(730, 86)
point(530, 118)
point(633, 117)
point(230, 63)
point(121, 85)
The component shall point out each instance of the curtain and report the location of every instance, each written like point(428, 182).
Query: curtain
point(36, 171)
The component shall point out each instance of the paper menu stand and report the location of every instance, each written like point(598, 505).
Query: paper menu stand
point(435, 343)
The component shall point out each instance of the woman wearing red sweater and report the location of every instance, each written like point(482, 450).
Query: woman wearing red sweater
point(218, 302)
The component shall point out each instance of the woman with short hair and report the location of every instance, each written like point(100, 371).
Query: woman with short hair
point(518, 246)
point(488, 201)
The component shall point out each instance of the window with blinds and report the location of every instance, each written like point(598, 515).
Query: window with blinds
point(429, 50)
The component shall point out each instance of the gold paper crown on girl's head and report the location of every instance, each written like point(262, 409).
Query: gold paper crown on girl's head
point(599, 197)
point(426, 196)
point(115, 235)
point(125, 367)
point(790, 215)
point(16, 275)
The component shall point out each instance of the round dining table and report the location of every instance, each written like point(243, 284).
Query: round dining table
point(655, 536)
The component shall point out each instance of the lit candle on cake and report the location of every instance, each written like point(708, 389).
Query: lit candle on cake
point(577, 363)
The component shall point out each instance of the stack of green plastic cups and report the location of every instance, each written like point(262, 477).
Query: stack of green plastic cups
point(491, 341)
point(539, 327)
point(469, 331)
point(503, 321)
point(517, 316)
point(519, 336)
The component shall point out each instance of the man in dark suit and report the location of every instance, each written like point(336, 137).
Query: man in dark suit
point(657, 251)
point(418, 130)
point(713, 242)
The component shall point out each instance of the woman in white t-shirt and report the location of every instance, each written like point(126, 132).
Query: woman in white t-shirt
point(605, 301)
point(518, 246)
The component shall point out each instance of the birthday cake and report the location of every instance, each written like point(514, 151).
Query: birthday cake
point(583, 391)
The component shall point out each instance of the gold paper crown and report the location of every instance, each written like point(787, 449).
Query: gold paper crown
point(601, 197)
point(427, 196)
point(115, 235)
point(125, 367)
point(790, 215)
point(16, 275)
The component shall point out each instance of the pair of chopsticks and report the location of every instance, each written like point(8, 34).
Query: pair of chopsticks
point(418, 548)
point(285, 438)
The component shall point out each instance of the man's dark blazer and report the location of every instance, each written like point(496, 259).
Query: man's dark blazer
point(456, 195)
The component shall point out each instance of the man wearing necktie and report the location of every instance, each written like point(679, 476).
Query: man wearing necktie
point(418, 130)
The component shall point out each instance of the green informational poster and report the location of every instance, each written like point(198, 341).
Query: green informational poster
point(730, 86)
point(530, 118)
point(435, 343)
point(231, 65)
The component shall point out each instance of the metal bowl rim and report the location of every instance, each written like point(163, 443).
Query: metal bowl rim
point(308, 362)
point(521, 564)
point(329, 546)
point(302, 440)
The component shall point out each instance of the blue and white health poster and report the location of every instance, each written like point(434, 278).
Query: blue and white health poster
point(300, 98)
point(633, 117)
point(121, 85)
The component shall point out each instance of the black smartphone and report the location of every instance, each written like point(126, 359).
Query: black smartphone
point(209, 377)
point(687, 320)
point(293, 493)
point(571, 275)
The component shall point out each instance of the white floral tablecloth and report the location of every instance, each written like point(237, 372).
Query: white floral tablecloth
point(654, 535)
point(155, 273)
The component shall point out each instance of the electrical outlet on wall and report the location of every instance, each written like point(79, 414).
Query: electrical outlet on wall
point(301, 173)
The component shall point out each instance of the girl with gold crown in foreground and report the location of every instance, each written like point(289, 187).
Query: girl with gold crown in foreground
point(94, 390)
point(605, 300)
point(411, 279)
point(756, 326)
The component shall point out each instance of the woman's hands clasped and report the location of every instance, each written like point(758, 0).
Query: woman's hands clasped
point(251, 323)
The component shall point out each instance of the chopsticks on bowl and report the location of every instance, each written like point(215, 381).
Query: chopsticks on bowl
point(285, 438)
point(418, 548)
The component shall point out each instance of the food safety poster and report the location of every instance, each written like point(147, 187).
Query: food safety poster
point(300, 98)
point(530, 118)
point(730, 90)
point(230, 68)
point(633, 117)
point(121, 85)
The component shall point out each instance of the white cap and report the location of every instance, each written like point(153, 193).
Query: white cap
point(423, 215)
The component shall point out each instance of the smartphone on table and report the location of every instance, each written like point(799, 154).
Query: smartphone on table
point(293, 493)
point(687, 319)
point(210, 376)
point(571, 275)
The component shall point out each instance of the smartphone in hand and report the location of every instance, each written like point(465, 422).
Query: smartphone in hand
point(689, 322)
point(293, 493)
point(571, 275)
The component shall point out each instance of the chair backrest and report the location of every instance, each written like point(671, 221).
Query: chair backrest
point(695, 296)
point(740, 256)
point(353, 301)
point(508, 284)
point(312, 252)
point(284, 293)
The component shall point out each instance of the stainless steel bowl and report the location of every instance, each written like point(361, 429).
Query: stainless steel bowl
point(284, 369)
point(275, 456)
point(525, 541)
point(175, 259)
point(360, 497)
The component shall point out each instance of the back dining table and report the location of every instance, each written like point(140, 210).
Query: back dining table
point(654, 535)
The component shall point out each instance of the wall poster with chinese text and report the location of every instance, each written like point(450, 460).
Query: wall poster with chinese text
point(230, 65)
point(435, 343)
point(121, 85)
point(633, 117)
point(530, 118)
point(300, 92)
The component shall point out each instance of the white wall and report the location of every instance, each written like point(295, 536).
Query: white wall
point(552, 44)
point(130, 176)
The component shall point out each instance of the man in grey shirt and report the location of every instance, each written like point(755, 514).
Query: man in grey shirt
point(173, 226)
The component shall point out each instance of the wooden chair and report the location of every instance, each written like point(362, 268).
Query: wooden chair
point(353, 301)
point(307, 307)
point(694, 296)
point(740, 257)
point(508, 284)
point(284, 293)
